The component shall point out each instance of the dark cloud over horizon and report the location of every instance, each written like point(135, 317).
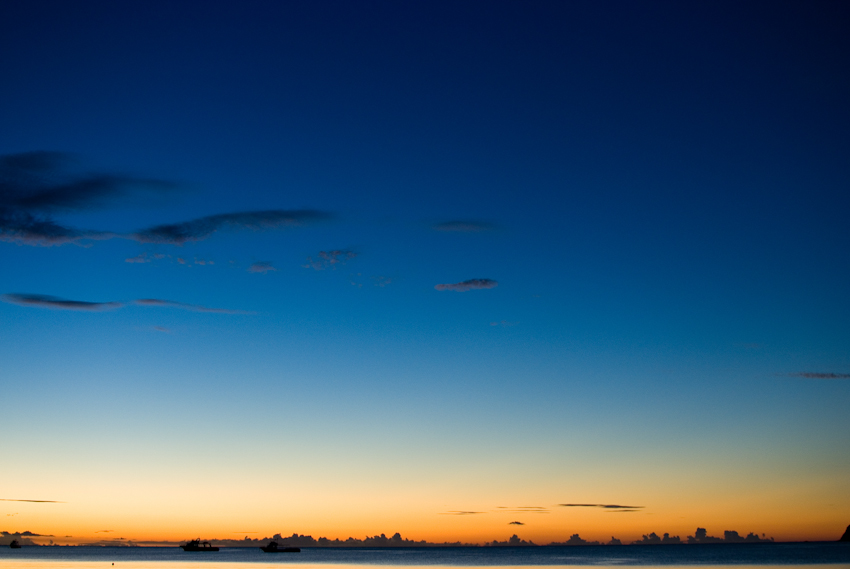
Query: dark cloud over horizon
point(471, 284)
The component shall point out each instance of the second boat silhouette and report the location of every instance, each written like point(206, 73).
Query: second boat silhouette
point(198, 545)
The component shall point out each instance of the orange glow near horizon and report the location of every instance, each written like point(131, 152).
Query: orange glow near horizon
point(557, 525)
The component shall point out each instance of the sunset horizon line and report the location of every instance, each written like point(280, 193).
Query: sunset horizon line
point(700, 537)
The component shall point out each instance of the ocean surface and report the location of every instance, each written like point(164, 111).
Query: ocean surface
point(783, 555)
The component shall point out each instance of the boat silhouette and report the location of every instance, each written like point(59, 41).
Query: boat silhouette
point(274, 547)
point(15, 544)
point(198, 545)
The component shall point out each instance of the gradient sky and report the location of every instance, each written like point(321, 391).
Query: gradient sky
point(647, 203)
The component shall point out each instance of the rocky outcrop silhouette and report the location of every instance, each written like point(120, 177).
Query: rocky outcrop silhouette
point(846, 536)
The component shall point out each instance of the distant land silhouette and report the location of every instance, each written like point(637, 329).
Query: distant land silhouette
point(22, 538)
point(396, 540)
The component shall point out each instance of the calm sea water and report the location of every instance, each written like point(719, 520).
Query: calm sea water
point(782, 554)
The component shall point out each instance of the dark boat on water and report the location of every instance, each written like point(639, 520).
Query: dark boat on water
point(198, 545)
point(273, 547)
point(15, 544)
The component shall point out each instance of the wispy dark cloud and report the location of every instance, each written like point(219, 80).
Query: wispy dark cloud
point(329, 259)
point(820, 375)
point(471, 284)
point(523, 509)
point(460, 513)
point(261, 267)
point(36, 185)
point(516, 524)
point(203, 227)
point(34, 501)
point(464, 226)
point(46, 301)
point(612, 507)
point(184, 306)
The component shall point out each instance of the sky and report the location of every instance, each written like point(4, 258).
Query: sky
point(351, 268)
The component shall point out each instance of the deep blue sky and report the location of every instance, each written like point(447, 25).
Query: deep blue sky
point(659, 190)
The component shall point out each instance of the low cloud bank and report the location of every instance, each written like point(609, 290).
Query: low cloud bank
point(296, 540)
point(575, 539)
point(513, 541)
point(701, 536)
point(22, 537)
point(396, 540)
point(653, 539)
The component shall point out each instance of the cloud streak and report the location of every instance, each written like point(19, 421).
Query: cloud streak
point(820, 375)
point(471, 284)
point(523, 509)
point(460, 513)
point(46, 301)
point(203, 227)
point(34, 501)
point(611, 507)
point(184, 306)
